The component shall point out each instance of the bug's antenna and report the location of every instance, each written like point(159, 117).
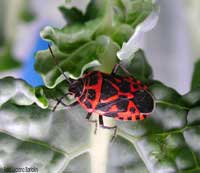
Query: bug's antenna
point(56, 62)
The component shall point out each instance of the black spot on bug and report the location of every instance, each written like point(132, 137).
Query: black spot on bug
point(122, 96)
point(91, 94)
point(107, 90)
point(122, 105)
point(144, 101)
point(88, 104)
point(93, 80)
point(103, 107)
point(135, 86)
point(124, 86)
point(109, 78)
point(121, 118)
point(129, 118)
point(132, 109)
point(137, 117)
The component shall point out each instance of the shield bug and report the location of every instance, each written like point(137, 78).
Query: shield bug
point(111, 95)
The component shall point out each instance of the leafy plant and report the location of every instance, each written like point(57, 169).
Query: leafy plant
point(8, 61)
point(32, 135)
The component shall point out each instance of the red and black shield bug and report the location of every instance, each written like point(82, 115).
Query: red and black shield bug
point(111, 95)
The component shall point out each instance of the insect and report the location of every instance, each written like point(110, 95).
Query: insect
point(111, 95)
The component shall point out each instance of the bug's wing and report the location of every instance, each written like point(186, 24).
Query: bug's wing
point(136, 108)
point(121, 108)
point(124, 109)
point(144, 101)
point(117, 105)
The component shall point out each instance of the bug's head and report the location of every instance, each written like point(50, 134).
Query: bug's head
point(76, 87)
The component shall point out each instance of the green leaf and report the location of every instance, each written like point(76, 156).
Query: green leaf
point(137, 10)
point(8, 61)
point(20, 93)
point(196, 76)
point(16, 153)
point(69, 4)
point(26, 13)
point(72, 15)
point(192, 98)
point(89, 40)
point(27, 16)
point(71, 37)
point(164, 142)
point(122, 33)
point(38, 138)
point(102, 51)
point(135, 42)
point(139, 67)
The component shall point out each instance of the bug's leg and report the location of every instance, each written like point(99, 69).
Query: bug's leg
point(65, 105)
point(69, 106)
point(92, 121)
point(101, 123)
point(59, 101)
point(116, 67)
